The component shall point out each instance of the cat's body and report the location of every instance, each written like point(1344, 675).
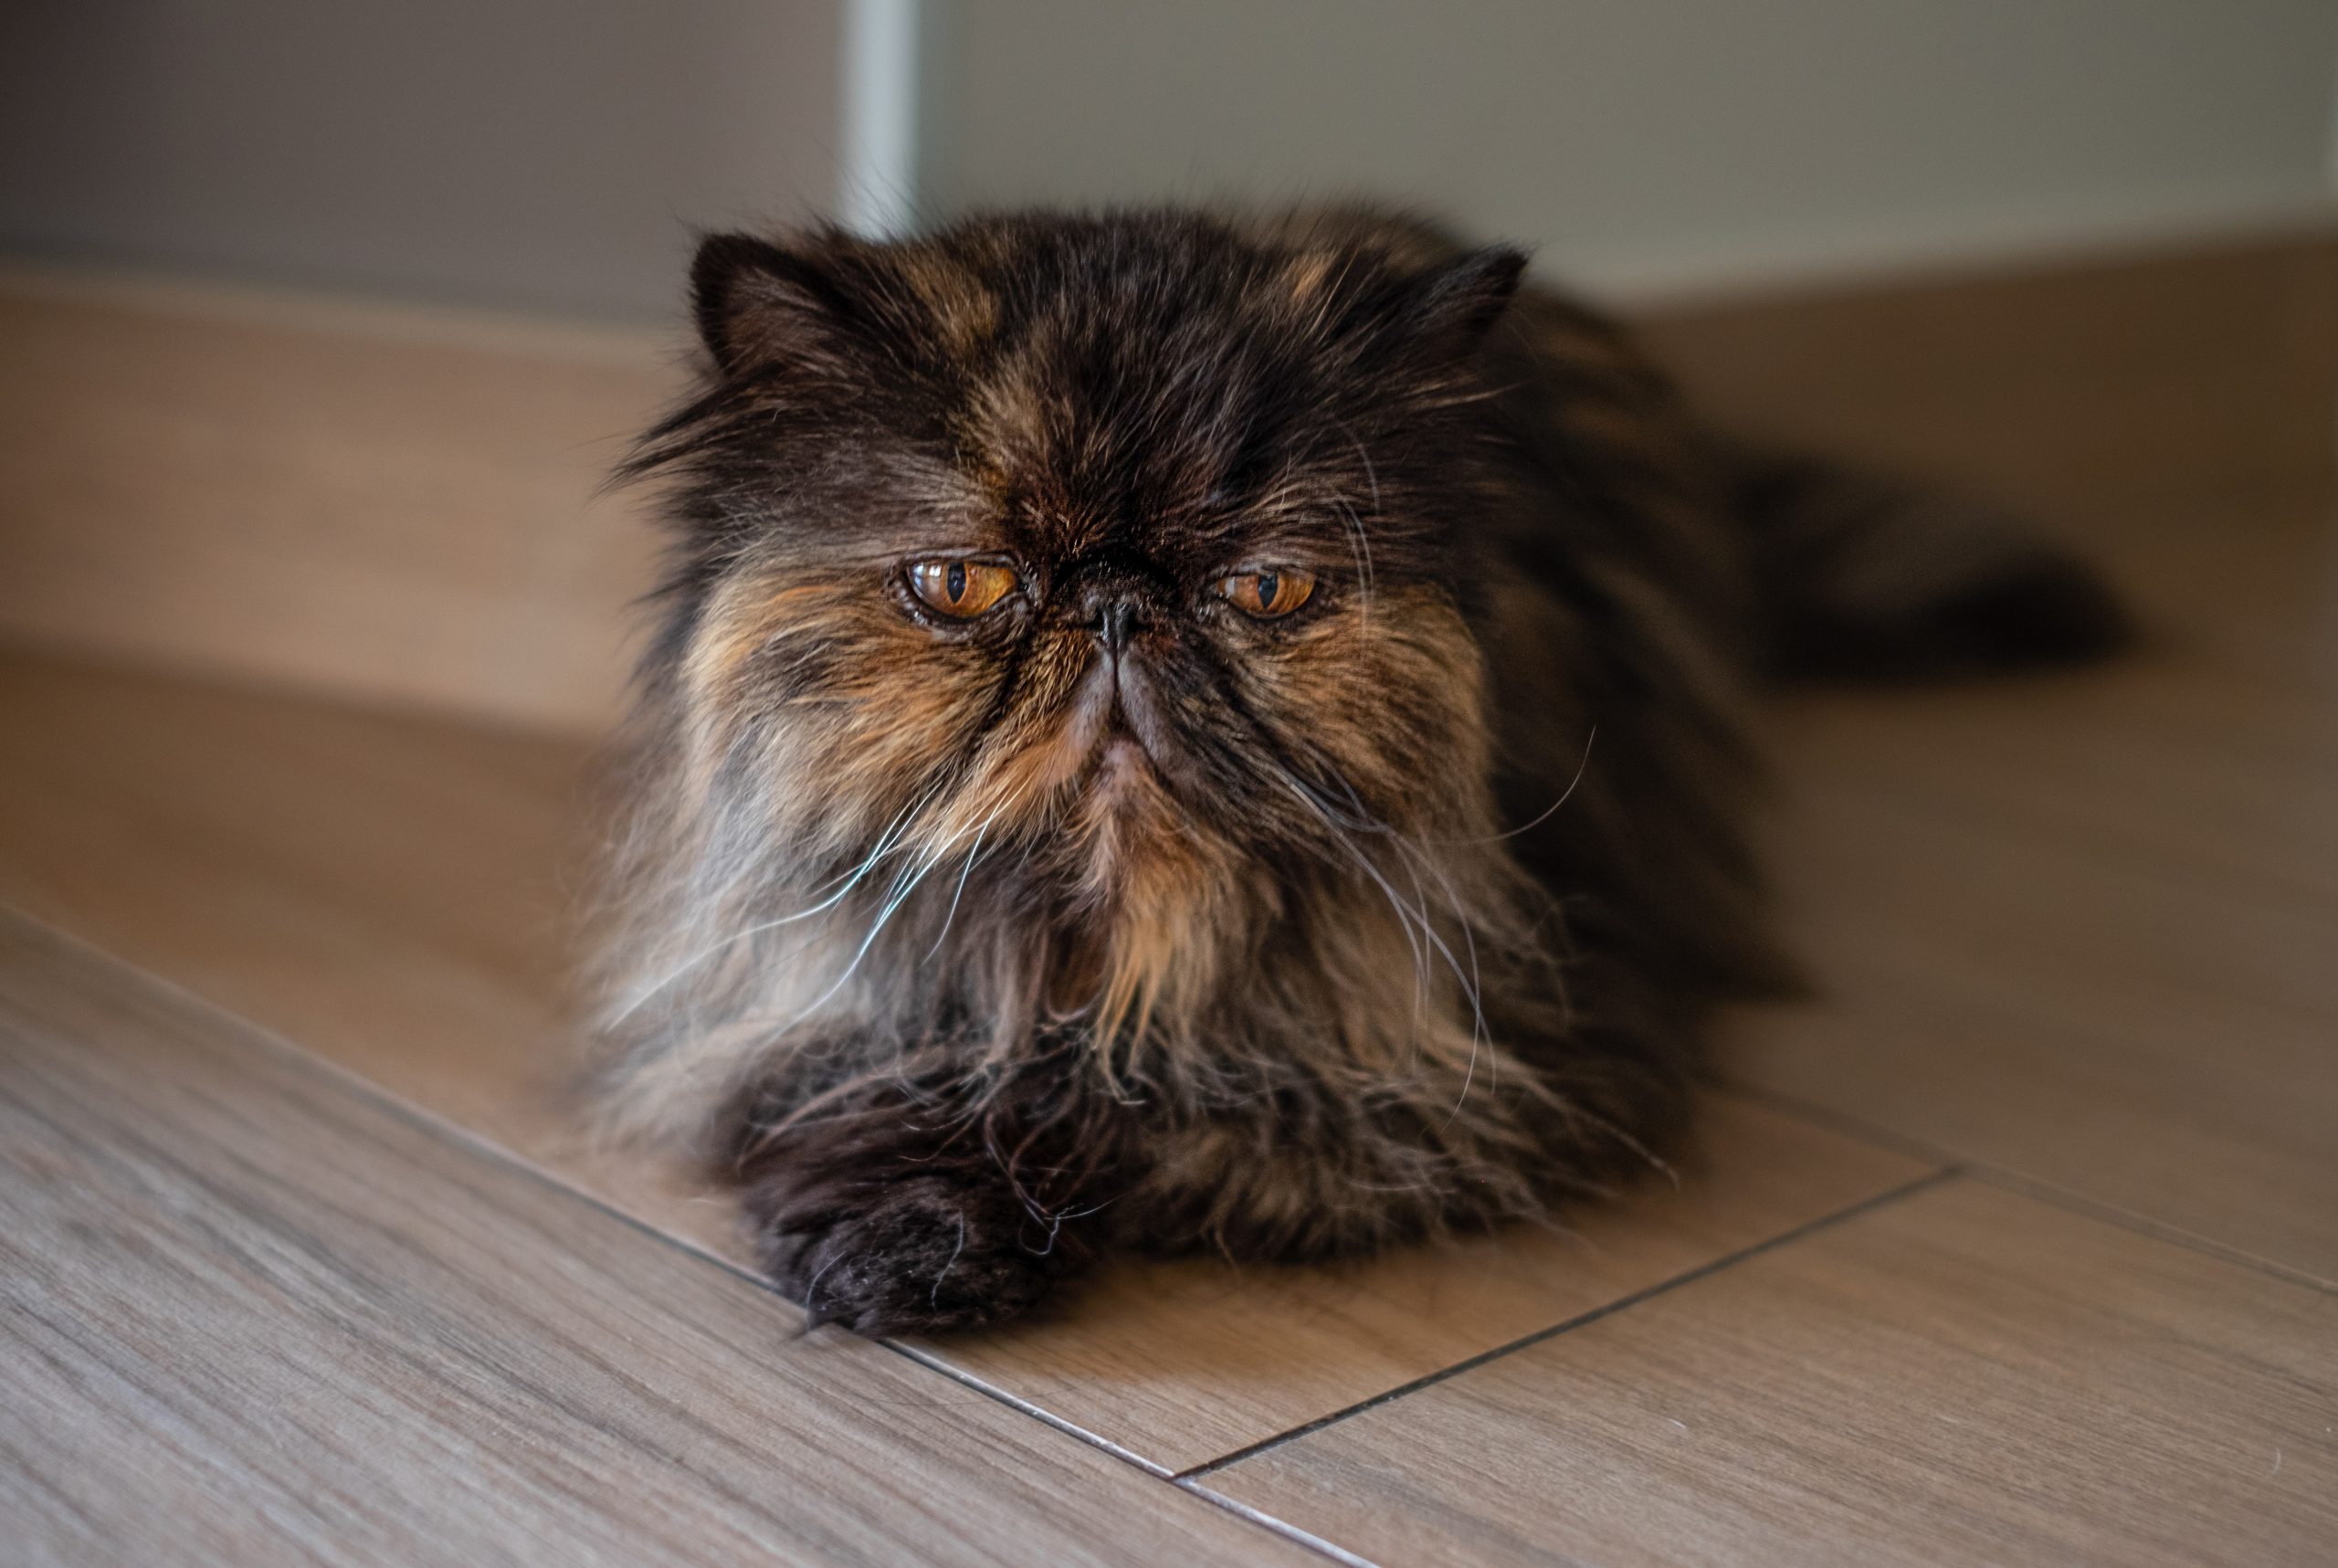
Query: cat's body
point(1169, 734)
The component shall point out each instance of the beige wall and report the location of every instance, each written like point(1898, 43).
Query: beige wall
point(1647, 144)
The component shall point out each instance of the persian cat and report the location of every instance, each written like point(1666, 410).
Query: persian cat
point(1174, 732)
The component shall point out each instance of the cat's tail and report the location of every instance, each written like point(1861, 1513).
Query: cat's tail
point(1871, 578)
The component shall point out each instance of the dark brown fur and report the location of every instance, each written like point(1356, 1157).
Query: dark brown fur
point(970, 950)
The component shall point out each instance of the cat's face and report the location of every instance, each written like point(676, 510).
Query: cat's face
point(1140, 587)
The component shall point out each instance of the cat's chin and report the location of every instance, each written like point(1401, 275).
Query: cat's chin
point(1124, 768)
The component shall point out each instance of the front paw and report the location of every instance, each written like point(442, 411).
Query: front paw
point(920, 1257)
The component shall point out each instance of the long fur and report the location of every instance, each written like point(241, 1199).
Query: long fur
point(967, 951)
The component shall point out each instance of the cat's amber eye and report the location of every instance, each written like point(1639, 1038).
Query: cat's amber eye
point(960, 588)
point(1270, 593)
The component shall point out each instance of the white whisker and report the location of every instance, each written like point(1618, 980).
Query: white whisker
point(885, 843)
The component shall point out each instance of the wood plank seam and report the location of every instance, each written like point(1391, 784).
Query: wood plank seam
point(1769, 1243)
point(454, 1132)
point(1337, 1554)
point(932, 1363)
point(1994, 1175)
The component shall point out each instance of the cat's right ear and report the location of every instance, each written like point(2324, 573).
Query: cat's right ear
point(758, 303)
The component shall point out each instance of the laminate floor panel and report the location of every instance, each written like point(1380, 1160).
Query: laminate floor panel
point(2084, 930)
point(1964, 1376)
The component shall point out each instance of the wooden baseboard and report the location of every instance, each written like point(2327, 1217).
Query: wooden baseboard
point(397, 504)
point(392, 504)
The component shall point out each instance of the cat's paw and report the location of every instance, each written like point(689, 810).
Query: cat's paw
point(921, 1257)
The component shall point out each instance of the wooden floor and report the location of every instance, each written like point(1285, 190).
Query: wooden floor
point(2018, 1242)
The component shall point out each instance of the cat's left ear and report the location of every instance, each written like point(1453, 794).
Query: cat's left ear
point(1456, 305)
point(1446, 310)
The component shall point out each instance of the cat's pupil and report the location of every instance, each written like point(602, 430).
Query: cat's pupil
point(1267, 586)
point(955, 581)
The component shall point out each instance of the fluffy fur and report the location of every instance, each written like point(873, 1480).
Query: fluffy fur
point(1117, 917)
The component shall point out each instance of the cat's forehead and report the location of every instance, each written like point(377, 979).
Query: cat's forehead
point(1155, 384)
point(1164, 410)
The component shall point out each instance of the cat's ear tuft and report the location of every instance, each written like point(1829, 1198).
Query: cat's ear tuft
point(1459, 302)
point(756, 302)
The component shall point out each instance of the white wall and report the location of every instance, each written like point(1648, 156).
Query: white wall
point(545, 154)
point(1654, 144)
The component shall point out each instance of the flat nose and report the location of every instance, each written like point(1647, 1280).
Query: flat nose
point(1116, 602)
point(1116, 624)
